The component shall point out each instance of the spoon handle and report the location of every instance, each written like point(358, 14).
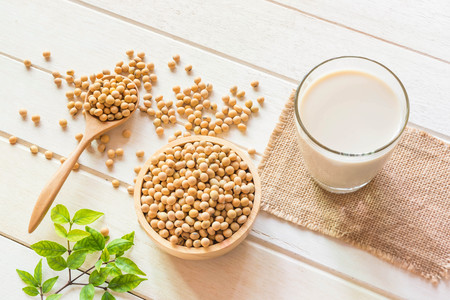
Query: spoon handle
point(49, 192)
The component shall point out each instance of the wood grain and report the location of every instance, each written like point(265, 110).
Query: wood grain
point(250, 41)
point(417, 25)
point(169, 277)
point(282, 41)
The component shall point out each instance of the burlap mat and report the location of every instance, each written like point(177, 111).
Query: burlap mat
point(402, 216)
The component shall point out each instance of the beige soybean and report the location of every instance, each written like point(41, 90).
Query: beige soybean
point(34, 149)
point(254, 84)
point(109, 163)
point(104, 138)
point(203, 171)
point(171, 65)
point(58, 81)
point(104, 231)
point(36, 119)
point(79, 137)
point(111, 153)
point(23, 112)
point(240, 94)
point(63, 123)
point(46, 54)
point(48, 154)
point(140, 153)
point(111, 99)
point(126, 133)
point(101, 148)
point(12, 140)
point(119, 152)
point(115, 183)
point(130, 189)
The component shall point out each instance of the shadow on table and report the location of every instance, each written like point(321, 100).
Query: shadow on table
point(225, 277)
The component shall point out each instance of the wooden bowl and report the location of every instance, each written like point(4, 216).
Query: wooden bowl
point(216, 249)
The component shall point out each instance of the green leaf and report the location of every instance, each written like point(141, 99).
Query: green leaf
point(97, 278)
point(108, 296)
point(97, 238)
point(128, 266)
point(125, 283)
point(129, 237)
point(94, 242)
point(48, 284)
point(54, 297)
point(118, 245)
point(60, 230)
point(30, 291)
point(105, 255)
point(38, 272)
point(76, 259)
point(27, 278)
point(98, 265)
point(87, 292)
point(84, 244)
point(48, 248)
point(77, 234)
point(114, 270)
point(57, 263)
point(86, 216)
point(60, 214)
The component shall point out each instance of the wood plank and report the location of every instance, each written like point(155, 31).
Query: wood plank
point(418, 25)
point(36, 93)
point(282, 41)
point(345, 258)
point(312, 248)
point(65, 56)
point(23, 258)
point(250, 267)
point(288, 55)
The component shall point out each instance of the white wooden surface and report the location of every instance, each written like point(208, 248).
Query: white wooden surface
point(228, 43)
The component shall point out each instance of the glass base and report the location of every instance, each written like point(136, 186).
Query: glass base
point(339, 190)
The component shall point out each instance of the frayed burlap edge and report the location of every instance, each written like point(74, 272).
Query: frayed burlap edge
point(396, 261)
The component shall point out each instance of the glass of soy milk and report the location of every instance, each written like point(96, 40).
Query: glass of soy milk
point(350, 112)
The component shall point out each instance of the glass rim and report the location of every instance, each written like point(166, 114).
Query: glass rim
point(299, 121)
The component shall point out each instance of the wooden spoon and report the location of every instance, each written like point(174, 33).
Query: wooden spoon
point(94, 127)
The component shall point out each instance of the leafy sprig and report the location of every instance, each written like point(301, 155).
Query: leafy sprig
point(112, 271)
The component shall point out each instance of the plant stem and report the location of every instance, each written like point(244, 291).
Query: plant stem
point(69, 251)
point(98, 286)
point(84, 272)
point(40, 292)
point(66, 285)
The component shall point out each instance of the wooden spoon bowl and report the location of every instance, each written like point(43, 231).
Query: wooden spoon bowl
point(94, 127)
point(216, 249)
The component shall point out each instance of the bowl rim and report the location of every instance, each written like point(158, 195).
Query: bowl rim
point(228, 243)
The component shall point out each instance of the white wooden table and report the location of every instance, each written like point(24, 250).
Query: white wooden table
point(227, 42)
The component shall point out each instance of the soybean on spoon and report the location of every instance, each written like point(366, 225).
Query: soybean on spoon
point(94, 127)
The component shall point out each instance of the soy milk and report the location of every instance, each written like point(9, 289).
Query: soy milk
point(350, 114)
